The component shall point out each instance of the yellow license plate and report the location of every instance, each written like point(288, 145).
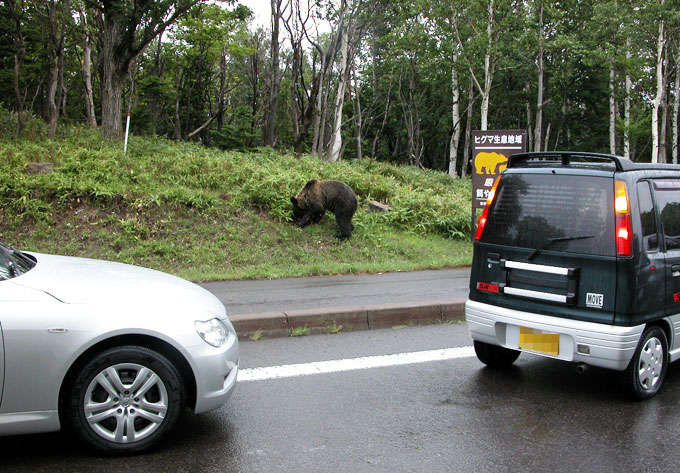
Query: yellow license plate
point(539, 341)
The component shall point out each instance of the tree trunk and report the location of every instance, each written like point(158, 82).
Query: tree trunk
point(125, 30)
point(223, 84)
point(663, 125)
point(455, 116)
point(255, 71)
point(113, 81)
point(488, 67)
point(294, 105)
point(19, 57)
point(316, 147)
point(612, 108)
point(357, 93)
point(539, 100)
point(659, 92)
point(54, 52)
point(384, 121)
point(177, 133)
point(626, 105)
point(51, 93)
point(87, 76)
point(676, 110)
point(530, 121)
point(274, 77)
point(468, 128)
point(335, 145)
point(61, 89)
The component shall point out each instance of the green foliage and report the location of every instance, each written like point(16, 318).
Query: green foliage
point(334, 329)
point(299, 331)
point(206, 214)
point(156, 171)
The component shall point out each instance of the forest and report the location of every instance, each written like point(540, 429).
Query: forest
point(403, 81)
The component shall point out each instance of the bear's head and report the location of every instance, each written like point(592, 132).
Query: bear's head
point(298, 212)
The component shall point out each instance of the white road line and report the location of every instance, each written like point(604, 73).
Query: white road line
point(334, 366)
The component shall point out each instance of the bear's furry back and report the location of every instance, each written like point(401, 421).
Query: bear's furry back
point(331, 195)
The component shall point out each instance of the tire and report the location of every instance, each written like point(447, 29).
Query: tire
point(645, 372)
point(495, 356)
point(124, 400)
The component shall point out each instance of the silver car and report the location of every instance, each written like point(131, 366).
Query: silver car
point(110, 351)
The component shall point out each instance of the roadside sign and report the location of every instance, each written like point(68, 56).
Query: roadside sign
point(490, 152)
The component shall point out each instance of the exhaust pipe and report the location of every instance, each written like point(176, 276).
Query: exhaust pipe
point(581, 368)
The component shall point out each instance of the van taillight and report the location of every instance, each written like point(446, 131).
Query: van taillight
point(624, 233)
point(482, 220)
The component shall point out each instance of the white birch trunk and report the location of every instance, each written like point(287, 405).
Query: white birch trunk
point(488, 72)
point(676, 111)
point(316, 148)
point(663, 123)
point(530, 121)
point(455, 115)
point(659, 93)
point(359, 124)
point(539, 99)
point(468, 129)
point(335, 145)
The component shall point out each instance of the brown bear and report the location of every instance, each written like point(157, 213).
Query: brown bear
point(318, 196)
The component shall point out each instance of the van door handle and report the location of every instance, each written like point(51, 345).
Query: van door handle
point(675, 270)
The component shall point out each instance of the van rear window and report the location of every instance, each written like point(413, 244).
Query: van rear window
point(530, 210)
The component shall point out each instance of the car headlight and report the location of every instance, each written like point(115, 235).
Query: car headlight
point(213, 332)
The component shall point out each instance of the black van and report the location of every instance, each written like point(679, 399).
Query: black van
point(577, 257)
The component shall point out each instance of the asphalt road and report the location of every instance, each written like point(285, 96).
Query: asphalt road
point(440, 416)
point(241, 297)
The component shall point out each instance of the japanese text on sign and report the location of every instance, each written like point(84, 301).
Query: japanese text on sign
point(500, 139)
point(491, 150)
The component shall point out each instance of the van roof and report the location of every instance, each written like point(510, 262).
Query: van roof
point(584, 160)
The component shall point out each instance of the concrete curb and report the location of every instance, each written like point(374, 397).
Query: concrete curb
point(324, 320)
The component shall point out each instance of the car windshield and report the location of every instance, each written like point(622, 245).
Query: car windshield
point(13, 262)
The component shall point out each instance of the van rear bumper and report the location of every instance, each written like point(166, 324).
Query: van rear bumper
point(607, 346)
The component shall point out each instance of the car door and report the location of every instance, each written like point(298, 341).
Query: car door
point(667, 196)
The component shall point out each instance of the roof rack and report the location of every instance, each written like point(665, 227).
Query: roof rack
point(577, 159)
point(570, 159)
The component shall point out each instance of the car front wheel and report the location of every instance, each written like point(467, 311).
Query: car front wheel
point(125, 400)
point(647, 369)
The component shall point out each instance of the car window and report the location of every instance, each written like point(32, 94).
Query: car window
point(532, 209)
point(667, 193)
point(650, 237)
point(14, 263)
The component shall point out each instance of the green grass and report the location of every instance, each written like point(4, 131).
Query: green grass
point(206, 214)
point(299, 332)
point(334, 329)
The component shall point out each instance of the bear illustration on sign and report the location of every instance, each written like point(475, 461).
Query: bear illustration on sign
point(486, 163)
point(317, 197)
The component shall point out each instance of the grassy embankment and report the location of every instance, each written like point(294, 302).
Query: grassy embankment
point(205, 214)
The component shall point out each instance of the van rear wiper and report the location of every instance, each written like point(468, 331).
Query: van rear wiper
point(555, 240)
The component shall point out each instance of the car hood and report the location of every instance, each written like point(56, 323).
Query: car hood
point(82, 280)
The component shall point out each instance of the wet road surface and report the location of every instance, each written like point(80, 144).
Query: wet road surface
point(269, 295)
point(452, 415)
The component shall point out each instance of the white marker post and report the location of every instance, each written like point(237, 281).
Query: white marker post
point(127, 131)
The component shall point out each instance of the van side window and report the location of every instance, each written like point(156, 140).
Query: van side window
point(647, 217)
point(667, 195)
